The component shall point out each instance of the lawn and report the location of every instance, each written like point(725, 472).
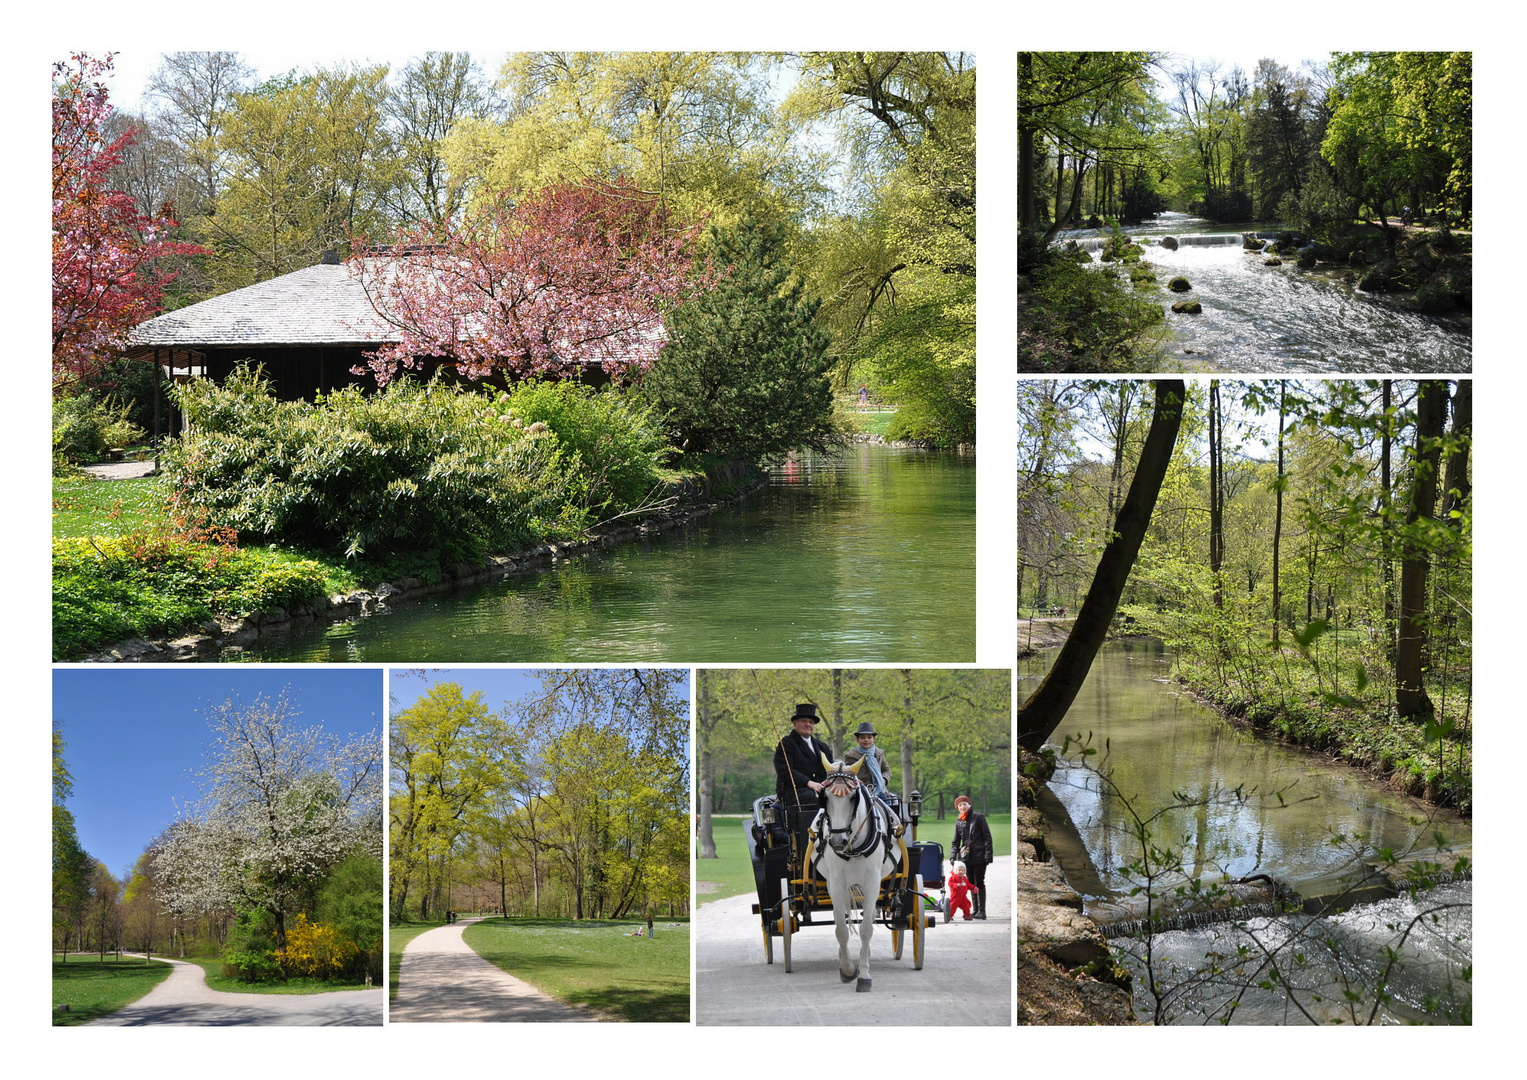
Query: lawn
point(596, 963)
point(398, 937)
point(93, 988)
point(875, 421)
point(84, 507)
point(216, 981)
point(732, 875)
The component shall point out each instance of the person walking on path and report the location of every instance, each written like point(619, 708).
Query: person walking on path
point(972, 846)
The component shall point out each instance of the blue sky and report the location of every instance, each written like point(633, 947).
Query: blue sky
point(498, 685)
point(135, 738)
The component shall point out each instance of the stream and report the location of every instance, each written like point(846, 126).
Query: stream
point(1303, 819)
point(864, 556)
point(1283, 319)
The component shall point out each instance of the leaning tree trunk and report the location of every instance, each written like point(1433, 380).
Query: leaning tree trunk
point(1411, 698)
point(1043, 712)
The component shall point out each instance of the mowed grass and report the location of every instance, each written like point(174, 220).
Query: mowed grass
point(731, 874)
point(875, 422)
point(93, 988)
point(398, 937)
point(595, 963)
point(217, 981)
point(83, 507)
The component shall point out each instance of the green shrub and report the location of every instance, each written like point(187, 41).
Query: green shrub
point(612, 449)
point(85, 428)
point(250, 966)
point(417, 466)
point(1099, 322)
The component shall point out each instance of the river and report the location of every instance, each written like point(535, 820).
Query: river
point(860, 557)
point(1306, 821)
point(1282, 319)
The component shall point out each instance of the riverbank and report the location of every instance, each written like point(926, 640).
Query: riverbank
point(691, 500)
point(1397, 754)
point(1066, 973)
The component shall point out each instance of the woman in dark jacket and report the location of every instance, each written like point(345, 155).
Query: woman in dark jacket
point(972, 846)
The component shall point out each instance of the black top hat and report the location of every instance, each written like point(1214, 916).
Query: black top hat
point(808, 710)
point(866, 728)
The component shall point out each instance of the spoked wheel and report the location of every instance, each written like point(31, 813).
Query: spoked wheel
point(784, 920)
point(768, 945)
point(919, 925)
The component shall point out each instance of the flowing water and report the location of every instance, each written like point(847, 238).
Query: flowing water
point(866, 556)
point(1305, 821)
point(1269, 319)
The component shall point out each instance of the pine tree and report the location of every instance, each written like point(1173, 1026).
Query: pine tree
point(745, 372)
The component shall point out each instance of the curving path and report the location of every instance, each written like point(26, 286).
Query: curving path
point(966, 980)
point(185, 999)
point(441, 980)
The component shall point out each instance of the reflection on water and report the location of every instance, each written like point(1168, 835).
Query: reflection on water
point(867, 556)
point(1264, 318)
point(1161, 743)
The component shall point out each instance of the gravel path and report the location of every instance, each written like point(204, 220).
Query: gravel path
point(120, 470)
point(185, 999)
point(966, 978)
point(441, 980)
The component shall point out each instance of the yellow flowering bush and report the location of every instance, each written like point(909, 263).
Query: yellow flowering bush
point(317, 949)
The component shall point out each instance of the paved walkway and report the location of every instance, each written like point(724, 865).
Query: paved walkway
point(441, 980)
point(966, 978)
point(185, 999)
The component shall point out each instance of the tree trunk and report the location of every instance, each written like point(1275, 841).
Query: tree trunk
point(1277, 534)
point(907, 784)
point(1216, 493)
point(1025, 143)
point(1386, 495)
point(1411, 698)
point(1043, 712)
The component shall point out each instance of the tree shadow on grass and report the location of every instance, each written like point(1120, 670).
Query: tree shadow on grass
point(109, 986)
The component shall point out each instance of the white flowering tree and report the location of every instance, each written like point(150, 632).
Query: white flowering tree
point(280, 806)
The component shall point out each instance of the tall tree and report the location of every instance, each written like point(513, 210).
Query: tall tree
point(1045, 709)
point(437, 92)
point(72, 867)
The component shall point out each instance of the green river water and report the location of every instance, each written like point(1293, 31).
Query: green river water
point(861, 557)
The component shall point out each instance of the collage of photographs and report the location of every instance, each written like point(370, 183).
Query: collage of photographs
point(515, 551)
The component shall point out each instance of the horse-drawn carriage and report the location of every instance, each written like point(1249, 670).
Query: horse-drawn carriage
point(862, 864)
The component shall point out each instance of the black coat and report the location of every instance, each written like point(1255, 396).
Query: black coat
point(797, 760)
point(972, 841)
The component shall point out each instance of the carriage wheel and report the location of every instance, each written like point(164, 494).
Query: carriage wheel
point(768, 945)
point(785, 918)
point(919, 925)
point(896, 944)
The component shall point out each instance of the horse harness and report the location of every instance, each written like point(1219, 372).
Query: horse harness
point(875, 835)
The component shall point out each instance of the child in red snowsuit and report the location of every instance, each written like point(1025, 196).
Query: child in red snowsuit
point(959, 891)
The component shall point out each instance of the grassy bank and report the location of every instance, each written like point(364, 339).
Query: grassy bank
point(595, 963)
point(216, 980)
point(93, 988)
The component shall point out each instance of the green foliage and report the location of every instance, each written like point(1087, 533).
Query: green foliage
point(351, 900)
point(413, 467)
point(248, 965)
point(106, 589)
point(1089, 320)
point(745, 371)
point(611, 446)
point(86, 426)
point(922, 356)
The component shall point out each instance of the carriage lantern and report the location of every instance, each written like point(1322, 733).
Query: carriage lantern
point(914, 804)
point(766, 811)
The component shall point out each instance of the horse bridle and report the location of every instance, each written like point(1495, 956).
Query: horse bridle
point(841, 778)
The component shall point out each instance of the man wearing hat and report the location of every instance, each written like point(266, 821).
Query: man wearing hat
point(879, 780)
point(798, 771)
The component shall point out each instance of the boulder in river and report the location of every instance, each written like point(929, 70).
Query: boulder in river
point(1188, 307)
point(1169, 242)
point(1179, 284)
point(1251, 243)
point(1272, 262)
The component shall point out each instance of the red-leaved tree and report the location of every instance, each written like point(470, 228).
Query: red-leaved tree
point(104, 280)
point(571, 274)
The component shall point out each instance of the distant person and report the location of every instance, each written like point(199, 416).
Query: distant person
point(972, 846)
point(960, 888)
point(864, 397)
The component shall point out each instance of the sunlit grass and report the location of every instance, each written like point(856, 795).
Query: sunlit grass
point(93, 988)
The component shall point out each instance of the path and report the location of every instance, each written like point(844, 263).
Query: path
point(185, 999)
point(441, 980)
point(966, 978)
point(120, 470)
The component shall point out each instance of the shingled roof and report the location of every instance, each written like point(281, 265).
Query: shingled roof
point(318, 305)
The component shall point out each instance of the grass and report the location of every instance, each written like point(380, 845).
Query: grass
point(93, 988)
point(398, 937)
point(731, 874)
point(216, 981)
point(595, 963)
point(86, 507)
point(876, 421)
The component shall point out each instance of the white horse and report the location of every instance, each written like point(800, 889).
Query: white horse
point(860, 850)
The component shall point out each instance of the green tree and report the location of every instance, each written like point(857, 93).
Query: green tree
point(72, 866)
point(745, 371)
